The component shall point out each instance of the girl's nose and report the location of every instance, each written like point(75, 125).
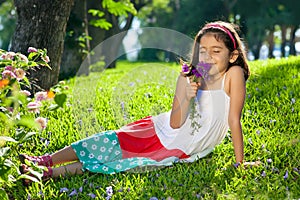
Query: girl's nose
point(205, 57)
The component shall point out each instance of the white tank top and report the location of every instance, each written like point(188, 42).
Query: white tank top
point(213, 107)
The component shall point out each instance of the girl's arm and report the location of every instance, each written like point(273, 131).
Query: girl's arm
point(184, 93)
point(237, 91)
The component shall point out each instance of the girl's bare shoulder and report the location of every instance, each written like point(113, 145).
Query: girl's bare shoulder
point(235, 71)
point(234, 79)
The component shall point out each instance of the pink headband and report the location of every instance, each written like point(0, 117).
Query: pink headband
point(222, 28)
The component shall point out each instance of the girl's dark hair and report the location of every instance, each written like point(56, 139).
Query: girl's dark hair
point(220, 30)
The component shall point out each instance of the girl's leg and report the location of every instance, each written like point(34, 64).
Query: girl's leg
point(70, 169)
point(64, 155)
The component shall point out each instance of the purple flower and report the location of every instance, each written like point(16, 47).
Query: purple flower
point(41, 193)
point(185, 68)
point(74, 192)
point(123, 105)
point(203, 69)
point(250, 141)
point(263, 174)
point(93, 196)
point(80, 189)
point(293, 101)
point(64, 189)
point(109, 191)
point(153, 198)
point(269, 160)
point(196, 73)
point(236, 165)
point(286, 175)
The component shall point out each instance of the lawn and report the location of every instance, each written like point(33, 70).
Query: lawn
point(107, 100)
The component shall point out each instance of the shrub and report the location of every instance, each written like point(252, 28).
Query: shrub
point(20, 111)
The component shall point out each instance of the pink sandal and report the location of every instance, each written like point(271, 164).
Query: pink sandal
point(45, 160)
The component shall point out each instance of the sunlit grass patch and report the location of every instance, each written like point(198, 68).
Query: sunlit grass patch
point(108, 100)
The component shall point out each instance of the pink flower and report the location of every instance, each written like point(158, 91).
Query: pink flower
point(34, 107)
point(42, 122)
point(9, 68)
point(31, 49)
point(20, 73)
point(41, 96)
point(8, 55)
point(46, 59)
point(8, 74)
point(23, 57)
point(25, 92)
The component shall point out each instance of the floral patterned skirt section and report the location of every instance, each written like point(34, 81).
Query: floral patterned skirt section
point(101, 153)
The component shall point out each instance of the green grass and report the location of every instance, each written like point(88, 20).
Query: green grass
point(108, 100)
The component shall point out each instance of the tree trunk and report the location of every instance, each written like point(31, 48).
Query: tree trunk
point(42, 24)
point(292, 40)
point(111, 51)
point(270, 40)
point(72, 57)
point(283, 40)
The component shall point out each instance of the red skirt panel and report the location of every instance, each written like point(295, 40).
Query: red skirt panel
point(139, 139)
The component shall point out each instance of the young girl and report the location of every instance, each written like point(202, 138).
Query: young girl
point(202, 112)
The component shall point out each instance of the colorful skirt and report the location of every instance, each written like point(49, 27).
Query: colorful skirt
point(133, 147)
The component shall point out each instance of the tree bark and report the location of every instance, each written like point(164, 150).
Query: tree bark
point(283, 40)
point(42, 24)
point(72, 57)
point(111, 51)
point(270, 40)
point(293, 40)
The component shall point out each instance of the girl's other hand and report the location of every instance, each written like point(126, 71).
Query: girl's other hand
point(251, 164)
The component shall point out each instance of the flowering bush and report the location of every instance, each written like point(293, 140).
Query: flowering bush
point(20, 111)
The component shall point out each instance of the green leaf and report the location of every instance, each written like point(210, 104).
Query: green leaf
point(22, 135)
point(60, 99)
point(3, 117)
point(96, 12)
point(32, 55)
point(4, 151)
point(25, 176)
point(53, 107)
point(27, 121)
point(3, 194)
point(7, 139)
point(101, 23)
point(28, 135)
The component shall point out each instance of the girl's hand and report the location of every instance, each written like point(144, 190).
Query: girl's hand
point(191, 89)
point(247, 164)
point(251, 164)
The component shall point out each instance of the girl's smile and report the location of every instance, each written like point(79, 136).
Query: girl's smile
point(215, 53)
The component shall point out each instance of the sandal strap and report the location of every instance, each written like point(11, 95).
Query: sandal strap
point(45, 160)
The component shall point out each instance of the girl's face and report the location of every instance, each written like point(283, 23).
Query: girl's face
point(215, 53)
